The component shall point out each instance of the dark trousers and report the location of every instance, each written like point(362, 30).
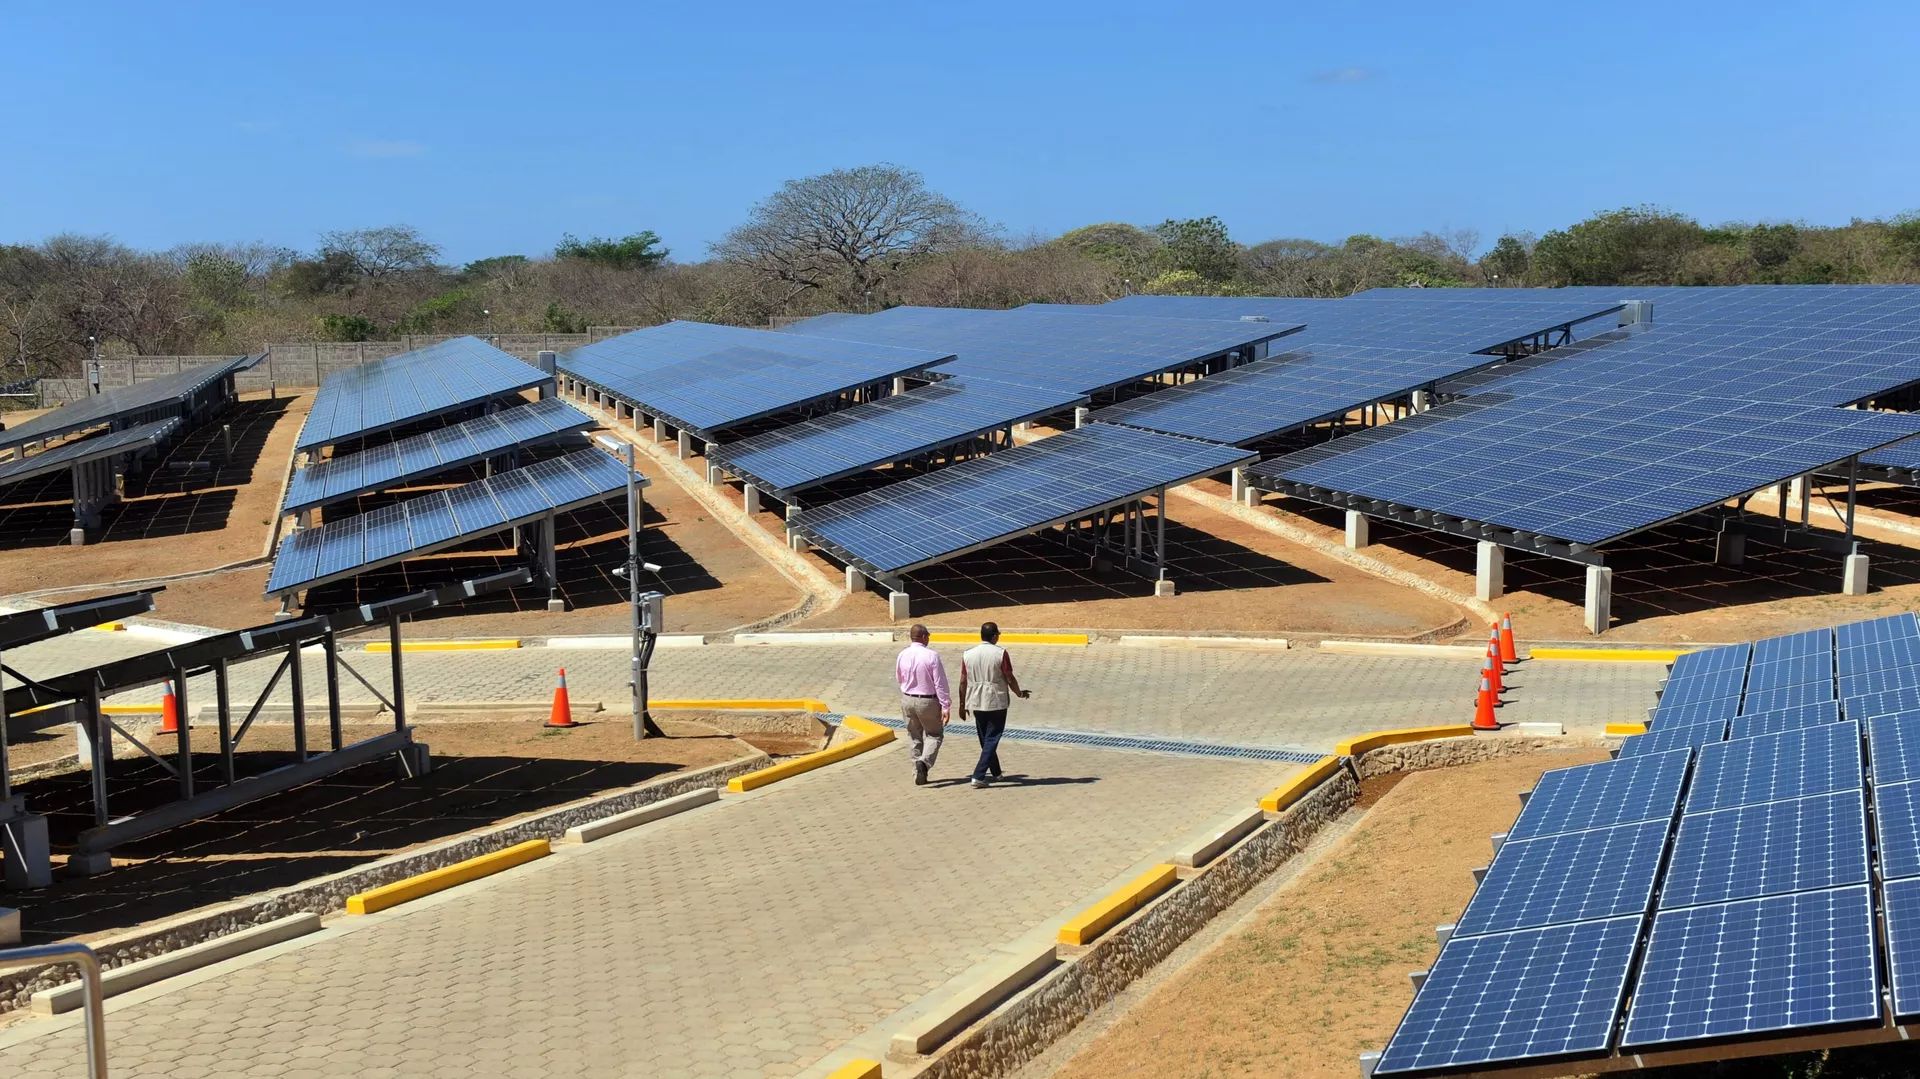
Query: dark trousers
point(989, 724)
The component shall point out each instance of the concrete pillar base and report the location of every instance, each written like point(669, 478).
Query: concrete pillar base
point(715, 475)
point(1730, 548)
point(1853, 581)
point(798, 542)
point(1163, 587)
point(898, 607)
point(1253, 496)
point(77, 537)
point(1359, 531)
point(899, 385)
point(1239, 485)
point(1422, 401)
point(854, 583)
point(659, 431)
point(750, 499)
point(1599, 613)
point(686, 445)
point(556, 606)
point(28, 862)
point(1490, 572)
point(9, 925)
point(88, 865)
point(1080, 416)
point(414, 761)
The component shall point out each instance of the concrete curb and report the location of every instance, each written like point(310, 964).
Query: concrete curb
point(1609, 655)
point(487, 644)
point(1277, 644)
point(1363, 744)
point(1206, 843)
point(850, 637)
point(1391, 648)
point(986, 986)
point(439, 880)
point(1073, 640)
point(746, 704)
point(1109, 912)
point(871, 736)
point(633, 818)
point(66, 998)
point(623, 642)
point(1293, 790)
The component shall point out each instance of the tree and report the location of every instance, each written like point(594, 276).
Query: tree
point(382, 252)
point(1507, 262)
point(849, 230)
point(1642, 245)
point(1198, 246)
point(640, 251)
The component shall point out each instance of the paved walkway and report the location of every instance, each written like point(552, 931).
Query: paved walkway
point(1298, 698)
point(748, 938)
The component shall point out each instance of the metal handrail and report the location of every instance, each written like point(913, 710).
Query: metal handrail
point(83, 957)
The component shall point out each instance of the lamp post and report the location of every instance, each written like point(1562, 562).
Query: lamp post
point(647, 607)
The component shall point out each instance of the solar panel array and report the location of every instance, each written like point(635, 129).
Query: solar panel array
point(1057, 348)
point(67, 454)
point(418, 456)
point(1413, 321)
point(916, 522)
point(706, 378)
point(426, 382)
point(351, 545)
point(1556, 463)
point(1761, 924)
point(865, 436)
point(117, 405)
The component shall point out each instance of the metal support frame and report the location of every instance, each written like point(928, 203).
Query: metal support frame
point(90, 979)
point(1438, 522)
point(1096, 534)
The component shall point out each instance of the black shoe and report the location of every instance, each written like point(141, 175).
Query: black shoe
point(919, 773)
point(979, 784)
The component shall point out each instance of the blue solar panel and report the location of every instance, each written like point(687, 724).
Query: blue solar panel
point(1757, 965)
point(1812, 760)
point(349, 545)
point(1603, 795)
point(381, 394)
point(384, 467)
point(1771, 848)
point(1725, 658)
point(1673, 736)
point(1684, 715)
point(917, 522)
point(1570, 877)
point(708, 378)
point(1783, 673)
point(1894, 739)
point(1902, 902)
point(1434, 322)
point(1782, 720)
point(1508, 996)
point(1813, 642)
point(67, 454)
point(1862, 683)
point(149, 399)
point(1059, 348)
point(1705, 686)
point(1786, 697)
point(1886, 702)
point(1896, 811)
point(895, 428)
point(1601, 464)
point(1855, 636)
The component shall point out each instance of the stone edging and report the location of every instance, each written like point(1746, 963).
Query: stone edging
point(328, 895)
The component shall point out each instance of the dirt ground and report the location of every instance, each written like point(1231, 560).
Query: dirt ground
point(1319, 975)
point(484, 772)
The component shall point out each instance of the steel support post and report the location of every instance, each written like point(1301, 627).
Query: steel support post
point(224, 704)
point(332, 648)
point(399, 676)
point(183, 746)
point(297, 686)
point(100, 743)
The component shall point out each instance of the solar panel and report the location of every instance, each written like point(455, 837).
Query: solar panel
point(1603, 795)
point(1683, 715)
point(1756, 965)
point(1813, 642)
point(1600, 463)
point(1901, 899)
point(348, 546)
point(382, 394)
point(1874, 632)
point(1868, 705)
point(1506, 996)
point(1673, 736)
point(1812, 760)
point(1705, 686)
point(894, 428)
point(1570, 877)
point(1771, 848)
point(76, 451)
point(1782, 720)
point(1435, 323)
point(1862, 683)
point(1894, 739)
point(1896, 811)
point(383, 467)
point(142, 402)
point(1723, 658)
point(1780, 674)
point(706, 378)
point(903, 526)
point(1059, 348)
point(1787, 697)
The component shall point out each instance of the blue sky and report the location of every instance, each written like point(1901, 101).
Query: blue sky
point(496, 127)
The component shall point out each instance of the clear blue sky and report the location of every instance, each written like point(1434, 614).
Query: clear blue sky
point(497, 127)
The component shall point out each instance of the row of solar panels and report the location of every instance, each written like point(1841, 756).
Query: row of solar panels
point(79, 451)
point(1749, 913)
point(152, 400)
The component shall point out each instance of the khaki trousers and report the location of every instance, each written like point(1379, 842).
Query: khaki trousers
point(924, 729)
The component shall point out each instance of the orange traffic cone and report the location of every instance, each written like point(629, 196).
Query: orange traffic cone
point(562, 714)
point(1507, 653)
point(1483, 709)
point(169, 712)
point(1490, 670)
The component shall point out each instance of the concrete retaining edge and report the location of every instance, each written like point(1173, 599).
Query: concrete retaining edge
point(1395, 648)
point(327, 895)
point(66, 998)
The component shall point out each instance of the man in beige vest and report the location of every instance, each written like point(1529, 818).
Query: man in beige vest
point(987, 686)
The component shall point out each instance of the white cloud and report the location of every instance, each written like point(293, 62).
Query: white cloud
point(385, 148)
point(1343, 76)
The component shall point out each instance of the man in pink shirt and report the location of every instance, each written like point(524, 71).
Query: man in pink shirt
point(924, 701)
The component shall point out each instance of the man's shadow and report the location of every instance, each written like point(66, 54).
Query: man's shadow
point(1017, 780)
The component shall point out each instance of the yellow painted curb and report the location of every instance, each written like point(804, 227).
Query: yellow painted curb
point(488, 645)
point(1079, 639)
point(749, 704)
point(872, 735)
point(126, 709)
point(1626, 728)
point(439, 880)
point(857, 1069)
point(1107, 913)
point(1611, 655)
point(1353, 747)
point(111, 627)
point(1293, 789)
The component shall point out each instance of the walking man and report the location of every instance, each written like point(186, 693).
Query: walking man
point(987, 686)
point(924, 701)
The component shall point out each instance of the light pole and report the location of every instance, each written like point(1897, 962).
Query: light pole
point(93, 364)
point(487, 313)
point(648, 607)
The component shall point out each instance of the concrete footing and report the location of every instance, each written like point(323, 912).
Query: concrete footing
point(686, 445)
point(797, 542)
point(899, 385)
point(1080, 416)
point(750, 499)
point(1490, 571)
point(1358, 532)
point(28, 859)
point(716, 475)
point(1853, 581)
point(1239, 485)
point(556, 606)
point(1252, 497)
point(77, 537)
point(659, 430)
point(1599, 612)
point(9, 926)
point(853, 581)
point(1730, 548)
point(1163, 587)
point(898, 606)
point(88, 865)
